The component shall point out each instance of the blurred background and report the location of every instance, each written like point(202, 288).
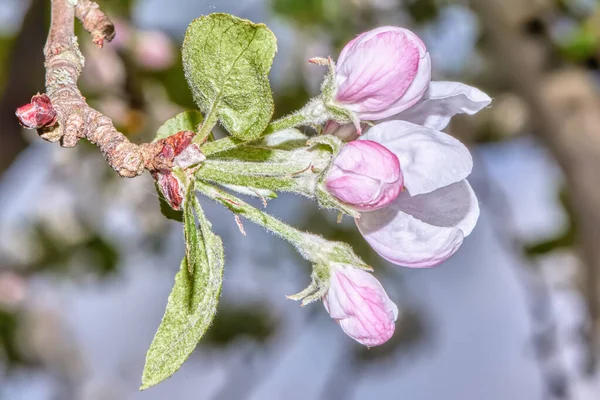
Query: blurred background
point(87, 260)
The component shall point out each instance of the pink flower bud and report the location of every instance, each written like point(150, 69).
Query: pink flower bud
point(365, 175)
point(37, 114)
point(382, 72)
point(361, 306)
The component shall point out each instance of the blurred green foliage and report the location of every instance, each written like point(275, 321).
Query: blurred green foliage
point(308, 12)
point(423, 10)
point(9, 352)
point(236, 321)
point(55, 254)
point(122, 8)
point(566, 238)
point(6, 45)
point(175, 84)
point(582, 43)
point(341, 19)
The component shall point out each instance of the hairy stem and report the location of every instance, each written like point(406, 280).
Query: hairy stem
point(206, 127)
point(287, 122)
point(307, 244)
point(310, 114)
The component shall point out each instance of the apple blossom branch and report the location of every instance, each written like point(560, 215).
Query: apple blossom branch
point(62, 114)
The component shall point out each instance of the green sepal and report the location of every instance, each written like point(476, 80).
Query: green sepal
point(336, 112)
point(332, 142)
point(324, 198)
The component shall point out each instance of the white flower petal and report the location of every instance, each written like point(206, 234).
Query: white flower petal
point(442, 101)
point(429, 159)
point(453, 206)
point(422, 231)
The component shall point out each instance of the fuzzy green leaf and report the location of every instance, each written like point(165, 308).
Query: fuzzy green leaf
point(227, 62)
point(193, 301)
point(185, 121)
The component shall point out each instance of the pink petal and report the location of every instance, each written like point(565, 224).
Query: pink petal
point(365, 175)
point(360, 304)
point(382, 72)
point(369, 158)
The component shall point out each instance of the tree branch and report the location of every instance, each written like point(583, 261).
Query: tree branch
point(565, 107)
point(75, 119)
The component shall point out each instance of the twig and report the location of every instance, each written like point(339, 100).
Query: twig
point(94, 21)
point(75, 118)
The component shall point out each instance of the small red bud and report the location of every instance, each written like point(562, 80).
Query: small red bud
point(178, 142)
point(179, 151)
point(170, 188)
point(37, 114)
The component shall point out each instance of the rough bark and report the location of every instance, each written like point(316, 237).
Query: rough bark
point(75, 118)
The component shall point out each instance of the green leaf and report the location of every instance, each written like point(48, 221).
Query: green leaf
point(185, 121)
point(227, 62)
point(193, 301)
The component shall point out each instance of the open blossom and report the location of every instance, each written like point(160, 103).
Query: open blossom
point(382, 72)
point(428, 221)
point(359, 303)
point(365, 175)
